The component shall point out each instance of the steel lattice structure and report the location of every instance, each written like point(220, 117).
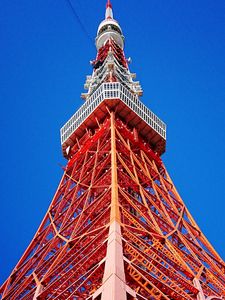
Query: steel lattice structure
point(117, 227)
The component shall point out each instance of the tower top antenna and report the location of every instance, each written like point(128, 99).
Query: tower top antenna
point(109, 12)
point(108, 4)
point(109, 28)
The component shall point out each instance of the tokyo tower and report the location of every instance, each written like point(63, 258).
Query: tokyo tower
point(116, 228)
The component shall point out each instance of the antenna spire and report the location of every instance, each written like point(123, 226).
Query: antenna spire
point(108, 4)
point(109, 12)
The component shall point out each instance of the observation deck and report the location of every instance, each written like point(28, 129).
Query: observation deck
point(127, 106)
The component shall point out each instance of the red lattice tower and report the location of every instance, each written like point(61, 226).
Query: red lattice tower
point(116, 228)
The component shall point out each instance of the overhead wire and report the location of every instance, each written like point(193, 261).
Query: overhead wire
point(79, 20)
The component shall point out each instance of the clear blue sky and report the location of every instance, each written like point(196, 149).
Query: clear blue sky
point(178, 53)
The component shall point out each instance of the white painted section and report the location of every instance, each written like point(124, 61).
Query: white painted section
point(104, 37)
point(109, 13)
point(38, 291)
point(112, 91)
point(108, 22)
point(114, 286)
point(109, 26)
point(198, 286)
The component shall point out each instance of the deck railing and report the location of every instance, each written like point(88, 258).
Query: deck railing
point(114, 90)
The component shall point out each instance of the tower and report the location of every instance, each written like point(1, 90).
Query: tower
point(116, 228)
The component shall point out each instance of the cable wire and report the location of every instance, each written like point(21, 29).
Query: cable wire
point(79, 20)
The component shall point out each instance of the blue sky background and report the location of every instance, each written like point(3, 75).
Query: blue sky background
point(178, 53)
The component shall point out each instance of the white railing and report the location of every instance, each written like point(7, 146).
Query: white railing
point(112, 91)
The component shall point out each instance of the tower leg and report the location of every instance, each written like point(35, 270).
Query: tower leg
point(198, 286)
point(114, 286)
point(38, 291)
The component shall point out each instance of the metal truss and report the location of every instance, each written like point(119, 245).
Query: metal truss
point(117, 228)
point(113, 176)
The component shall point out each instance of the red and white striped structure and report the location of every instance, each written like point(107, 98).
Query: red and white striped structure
point(116, 228)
